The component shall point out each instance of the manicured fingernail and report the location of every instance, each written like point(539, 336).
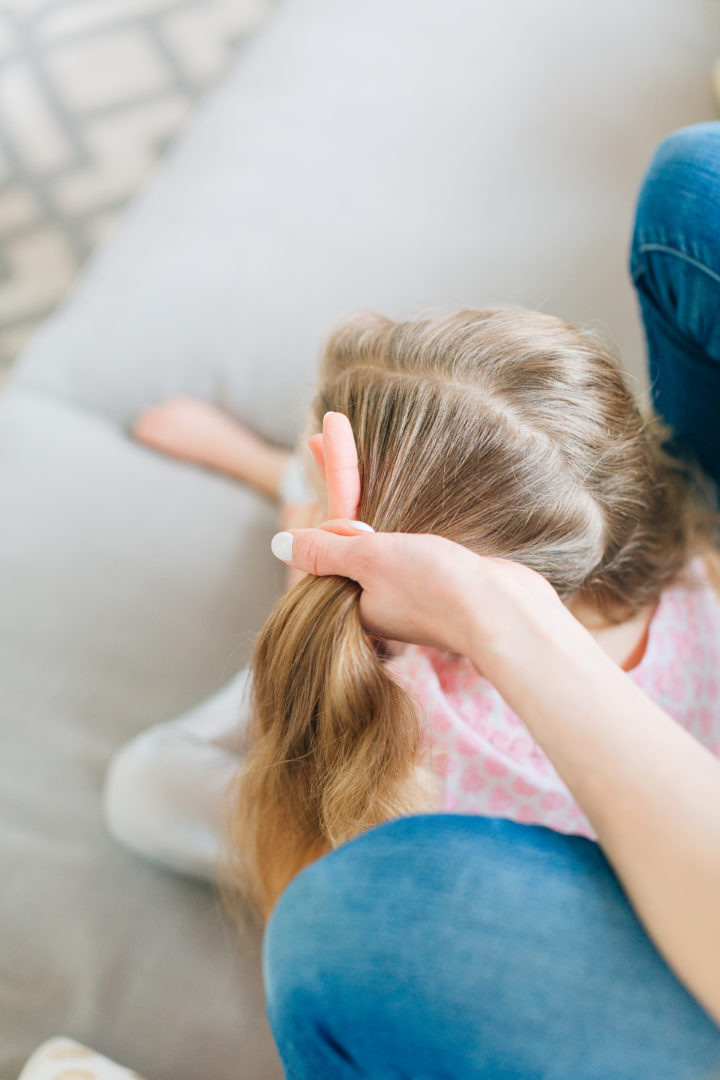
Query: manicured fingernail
point(281, 546)
point(362, 525)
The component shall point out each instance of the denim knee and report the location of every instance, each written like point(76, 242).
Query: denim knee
point(446, 946)
point(690, 147)
point(292, 962)
point(309, 953)
point(679, 200)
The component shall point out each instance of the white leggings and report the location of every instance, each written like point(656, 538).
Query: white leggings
point(165, 788)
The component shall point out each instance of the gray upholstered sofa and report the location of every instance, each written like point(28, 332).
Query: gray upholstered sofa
point(363, 153)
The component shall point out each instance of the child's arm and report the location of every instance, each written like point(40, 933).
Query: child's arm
point(199, 432)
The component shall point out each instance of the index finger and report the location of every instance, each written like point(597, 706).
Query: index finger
point(341, 466)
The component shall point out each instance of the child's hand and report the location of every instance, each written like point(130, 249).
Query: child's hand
point(197, 431)
point(308, 515)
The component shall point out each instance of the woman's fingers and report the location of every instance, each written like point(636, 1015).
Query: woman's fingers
point(315, 446)
point(341, 466)
point(411, 585)
point(322, 551)
point(336, 456)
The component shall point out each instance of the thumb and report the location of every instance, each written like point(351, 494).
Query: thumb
point(331, 549)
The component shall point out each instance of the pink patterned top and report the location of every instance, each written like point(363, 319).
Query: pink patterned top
point(487, 762)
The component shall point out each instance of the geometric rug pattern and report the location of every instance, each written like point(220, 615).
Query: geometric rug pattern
point(91, 93)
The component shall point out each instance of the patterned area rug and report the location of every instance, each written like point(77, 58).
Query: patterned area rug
point(91, 92)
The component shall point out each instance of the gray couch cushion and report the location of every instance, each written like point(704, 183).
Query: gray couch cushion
point(362, 154)
point(389, 156)
point(124, 598)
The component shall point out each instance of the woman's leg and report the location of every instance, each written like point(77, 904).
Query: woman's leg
point(675, 265)
point(463, 947)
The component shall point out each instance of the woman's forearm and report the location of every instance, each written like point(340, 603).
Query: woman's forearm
point(651, 791)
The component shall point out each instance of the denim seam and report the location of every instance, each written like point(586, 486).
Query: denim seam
point(642, 249)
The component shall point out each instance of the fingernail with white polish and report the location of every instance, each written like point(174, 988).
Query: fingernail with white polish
point(281, 546)
point(362, 525)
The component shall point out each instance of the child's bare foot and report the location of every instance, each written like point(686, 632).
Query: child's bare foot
point(199, 432)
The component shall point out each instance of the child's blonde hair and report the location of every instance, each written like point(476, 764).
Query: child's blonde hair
point(508, 431)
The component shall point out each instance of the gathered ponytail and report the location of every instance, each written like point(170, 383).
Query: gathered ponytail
point(334, 741)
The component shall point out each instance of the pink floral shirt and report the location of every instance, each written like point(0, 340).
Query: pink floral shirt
point(487, 762)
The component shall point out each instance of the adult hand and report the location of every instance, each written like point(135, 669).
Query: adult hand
point(336, 456)
point(419, 588)
point(649, 788)
point(426, 589)
point(652, 792)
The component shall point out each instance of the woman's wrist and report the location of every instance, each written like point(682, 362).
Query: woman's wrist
point(515, 630)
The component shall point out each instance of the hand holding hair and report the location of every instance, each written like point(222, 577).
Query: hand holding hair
point(418, 588)
point(426, 589)
point(651, 791)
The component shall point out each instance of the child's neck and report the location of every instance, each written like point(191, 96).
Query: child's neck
point(623, 642)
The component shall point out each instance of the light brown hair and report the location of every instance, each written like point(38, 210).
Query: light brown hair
point(508, 431)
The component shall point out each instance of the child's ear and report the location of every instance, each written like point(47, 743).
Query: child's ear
point(315, 446)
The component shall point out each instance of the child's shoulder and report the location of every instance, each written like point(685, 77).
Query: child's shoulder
point(696, 588)
point(706, 570)
point(680, 667)
point(689, 608)
point(684, 633)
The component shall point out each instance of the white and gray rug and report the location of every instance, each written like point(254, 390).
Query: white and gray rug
point(91, 92)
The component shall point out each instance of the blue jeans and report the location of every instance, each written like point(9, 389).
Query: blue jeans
point(467, 948)
point(675, 266)
point(463, 948)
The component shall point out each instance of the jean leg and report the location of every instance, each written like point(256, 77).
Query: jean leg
point(675, 266)
point(446, 947)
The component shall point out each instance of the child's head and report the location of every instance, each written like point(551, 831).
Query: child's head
point(507, 431)
point(514, 434)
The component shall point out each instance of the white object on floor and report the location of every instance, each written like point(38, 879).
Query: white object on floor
point(65, 1059)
